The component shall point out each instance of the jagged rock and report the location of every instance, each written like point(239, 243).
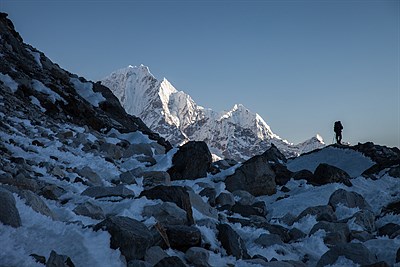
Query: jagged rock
point(9, 214)
point(365, 219)
point(52, 191)
point(90, 210)
point(201, 206)
point(172, 261)
point(57, 260)
point(20, 181)
point(192, 161)
point(382, 155)
point(336, 233)
point(174, 194)
point(211, 194)
point(273, 154)
point(154, 255)
point(130, 236)
point(349, 199)
point(232, 242)
point(356, 252)
point(254, 176)
point(38, 258)
point(128, 177)
point(390, 229)
point(394, 171)
point(257, 208)
point(36, 203)
point(267, 240)
point(325, 174)
point(138, 263)
point(393, 207)
point(153, 178)
point(138, 149)
point(303, 175)
point(296, 234)
point(93, 177)
point(282, 174)
point(182, 237)
point(321, 213)
point(150, 161)
point(225, 199)
point(111, 150)
point(198, 257)
point(107, 191)
point(167, 213)
point(245, 198)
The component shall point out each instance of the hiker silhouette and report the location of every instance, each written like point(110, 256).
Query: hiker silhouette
point(338, 131)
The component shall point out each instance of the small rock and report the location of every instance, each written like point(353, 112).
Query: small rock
point(154, 255)
point(167, 213)
point(90, 210)
point(38, 258)
point(56, 260)
point(232, 242)
point(172, 261)
point(355, 252)
point(182, 237)
point(88, 173)
point(267, 240)
point(348, 199)
point(9, 214)
point(225, 199)
point(197, 256)
point(108, 191)
point(211, 194)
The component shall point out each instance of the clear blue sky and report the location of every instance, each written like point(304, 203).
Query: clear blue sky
point(300, 64)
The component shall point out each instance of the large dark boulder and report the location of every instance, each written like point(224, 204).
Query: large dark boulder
point(384, 156)
point(336, 233)
point(172, 261)
point(393, 207)
point(273, 154)
point(232, 242)
point(356, 252)
point(182, 237)
point(349, 199)
point(321, 213)
point(325, 174)
point(257, 208)
point(254, 176)
point(192, 161)
point(130, 236)
point(57, 260)
point(174, 194)
point(9, 214)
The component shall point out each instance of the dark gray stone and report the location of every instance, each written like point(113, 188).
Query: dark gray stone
point(57, 260)
point(325, 174)
point(336, 233)
point(182, 237)
point(365, 219)
point(245, 198)
point(225, 199)
point(201, 206)
point(92, 177)
point(267, 240)
point(52, 191)
point(36, 203)
point(167, 213)
point(172, 261)
point(108, 191)
point(254, 176)
point(90, 210)
point(257, 208)
point(198, 257)
point(130, 236)
point(348, 199)
point(296, 234)
point(389, 229)
point(356, 252)
point(154, 255)
point(138, 263)
point(174, 194)
point(303, 175)
point(192, 161)
point(211, 194)
point(321, 213)
point(232, 242)
point(9, 214)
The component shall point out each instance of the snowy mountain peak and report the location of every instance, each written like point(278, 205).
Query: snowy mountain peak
point(238, 133)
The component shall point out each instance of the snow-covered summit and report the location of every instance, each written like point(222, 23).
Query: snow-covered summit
point(237, 133)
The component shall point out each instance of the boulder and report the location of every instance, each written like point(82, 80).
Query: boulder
point(366, 220)
point(348, 199)
point(9, 214)
point(128, 177)
point(108, 191)
point(154, 255)
point(321, 213)
point(254, 176)
point(393, 207)
point(138, 263)
point(267, 240)
point(394, 171)
point(225, 199)
point(138, 149)
point(154, 178)
point(167, 213)
point(211, 194)
point(21, 181)
point(274, 155)
point(336, 233)
point(52, 191)
point(325, 174)
point(361, 236)
point(355, 252)
point(257, 208)
point(182, 237)
point(57, 260)
point(172, 261)
point(36, 203)
point(39, 258)
point(303, 175)
point(282, 174)
point(92, 177)
point(111, 151)
point(201, 206)
point(296, 234)
point(174, 194)
point(390, 229)
point(192, 161)
point(245, 198)
point(130, 236)
point(232, 242)
point(90, 210)
point(198, 257)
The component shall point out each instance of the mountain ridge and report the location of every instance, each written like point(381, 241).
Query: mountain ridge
point(237, 133)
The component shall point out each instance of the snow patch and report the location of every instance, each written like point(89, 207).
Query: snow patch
point(40, 87)
point(85, 90)
point(8, 81)
point(36, 102)
point(36, 57)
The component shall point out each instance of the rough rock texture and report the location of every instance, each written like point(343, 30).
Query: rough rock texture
point(172, 261)
point(182, 237)
point(232, 242)
point(192, 161)
point(90, 210)
point(321, 213)
point(107, 191)
point(174, 194)
point(9, 214)
point(254, 176)
point(336, 233)
point(356, 252)
point(167, 213)
point(197, 256)
point(56, 260)
point(326, 173)
point(349, 199)
point(130, 236)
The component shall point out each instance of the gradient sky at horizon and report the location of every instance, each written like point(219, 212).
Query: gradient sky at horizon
point(301, 65)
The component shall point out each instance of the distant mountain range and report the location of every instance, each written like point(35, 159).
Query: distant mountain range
point(236, 134)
